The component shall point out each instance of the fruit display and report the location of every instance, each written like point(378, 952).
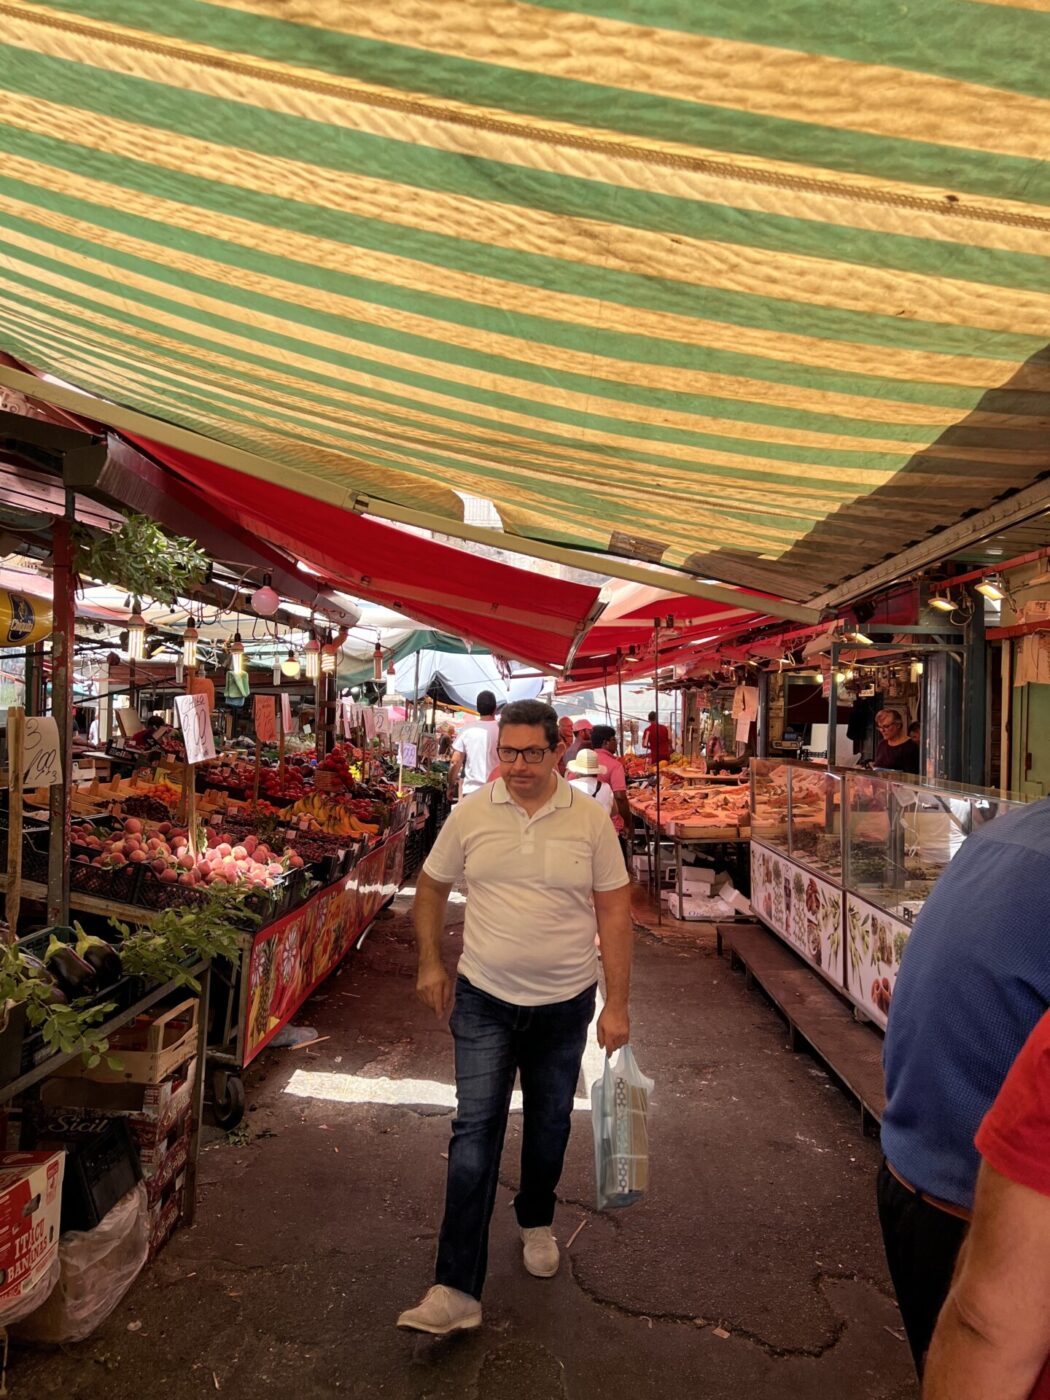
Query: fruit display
point(164, 851)
point(338, 815)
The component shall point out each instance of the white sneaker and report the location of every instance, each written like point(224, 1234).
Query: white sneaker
point(541, 1252)
point(443, 1310)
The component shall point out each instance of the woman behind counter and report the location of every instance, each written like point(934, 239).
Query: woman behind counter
point(896, 750)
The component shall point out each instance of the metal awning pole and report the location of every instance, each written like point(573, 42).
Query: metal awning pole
point(62, 639)
point(656, 737)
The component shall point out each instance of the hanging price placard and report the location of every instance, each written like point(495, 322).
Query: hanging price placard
point(42, 763)
point(195, 721)
point(266, 719)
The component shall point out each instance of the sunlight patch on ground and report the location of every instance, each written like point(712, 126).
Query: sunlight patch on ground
point(409, 892)
point(429, 1093)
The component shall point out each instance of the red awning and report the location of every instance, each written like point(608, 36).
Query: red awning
point(522, 615)
point(629, 621)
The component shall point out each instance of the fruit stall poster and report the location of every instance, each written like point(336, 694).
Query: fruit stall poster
point(195, 721)
point(266, 719)
point(291, 957)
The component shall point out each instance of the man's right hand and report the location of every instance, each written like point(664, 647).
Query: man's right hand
point(434, 989)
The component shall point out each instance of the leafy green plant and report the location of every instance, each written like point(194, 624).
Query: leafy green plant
point(65, 1027)
point(142, 559)
point(211, 929)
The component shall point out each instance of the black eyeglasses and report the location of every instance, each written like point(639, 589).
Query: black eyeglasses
point(529, 755)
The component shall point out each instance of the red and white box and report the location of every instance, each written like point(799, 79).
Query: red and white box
point(30, 1216)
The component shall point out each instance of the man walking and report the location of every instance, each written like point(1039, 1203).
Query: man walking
point(544, 872)
point(973, 982)
point(474, 748)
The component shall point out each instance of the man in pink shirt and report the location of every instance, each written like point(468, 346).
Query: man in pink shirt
point(603, 741)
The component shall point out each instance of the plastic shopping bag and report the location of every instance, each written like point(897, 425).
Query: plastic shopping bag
point(619, 1113)
point(97, 1268)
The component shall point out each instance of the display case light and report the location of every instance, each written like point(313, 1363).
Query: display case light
point(312, 654)
point(942, 603)
point(190, 638)
point(992, 588)
point(237, 655)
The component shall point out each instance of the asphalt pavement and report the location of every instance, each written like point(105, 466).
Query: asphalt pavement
point(754, 1268)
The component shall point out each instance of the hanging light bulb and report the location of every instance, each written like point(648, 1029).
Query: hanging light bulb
point(265, 600)
point(313, 659)
point(136, 634)
point(290, 666)
point(390, 669)
point(329, 659)
point(237, 655)
point(377, 663)
point(190, 639)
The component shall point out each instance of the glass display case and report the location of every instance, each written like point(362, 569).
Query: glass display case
point(900, 835)
point(770, 798)
point(842, 861)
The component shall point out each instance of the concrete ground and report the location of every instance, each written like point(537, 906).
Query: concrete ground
point(754, 1269)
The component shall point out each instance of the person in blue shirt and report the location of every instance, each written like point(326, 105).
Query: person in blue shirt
point(973, 982)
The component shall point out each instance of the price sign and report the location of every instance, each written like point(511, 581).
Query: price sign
point(368, 714)
point(195, 720)
point(42, 763)
point(409, 755)
point(266, 719)
point(286, 714)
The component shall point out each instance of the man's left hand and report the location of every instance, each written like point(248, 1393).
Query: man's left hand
point(614, 1029)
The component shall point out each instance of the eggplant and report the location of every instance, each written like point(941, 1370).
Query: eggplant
point(75, 977)
point(55, 995)
point(100, 956)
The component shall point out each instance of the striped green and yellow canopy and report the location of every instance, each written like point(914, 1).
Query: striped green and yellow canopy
point(759, 289)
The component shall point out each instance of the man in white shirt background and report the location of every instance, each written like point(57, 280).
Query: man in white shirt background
point(474, 748)
point(544, 872)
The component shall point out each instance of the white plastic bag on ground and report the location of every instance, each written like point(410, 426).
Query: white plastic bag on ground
point(619, 1116)
point(97, 1268)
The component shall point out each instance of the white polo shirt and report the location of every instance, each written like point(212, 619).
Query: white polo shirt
point(529, 931)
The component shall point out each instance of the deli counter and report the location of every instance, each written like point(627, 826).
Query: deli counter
point(842, 861)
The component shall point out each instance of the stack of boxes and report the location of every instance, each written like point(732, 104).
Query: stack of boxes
point(152, 1092)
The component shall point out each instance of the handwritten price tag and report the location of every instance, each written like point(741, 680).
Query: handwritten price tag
point(266, 719)
point(409, 755)
point(195, 721)
point(42, 762)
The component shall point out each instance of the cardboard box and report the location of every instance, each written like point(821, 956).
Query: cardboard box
point(157, 1158)
point(693, 908)
point(696, 876)
point(165, 1214)
point(152, 1109)
point(30, 1219)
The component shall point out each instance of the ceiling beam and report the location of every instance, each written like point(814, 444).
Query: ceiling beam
point(349, 498)
point(1013, 510)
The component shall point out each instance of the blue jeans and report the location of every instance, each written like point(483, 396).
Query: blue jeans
point(494, 1039)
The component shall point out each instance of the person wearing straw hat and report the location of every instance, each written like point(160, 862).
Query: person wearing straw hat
point(585, 774)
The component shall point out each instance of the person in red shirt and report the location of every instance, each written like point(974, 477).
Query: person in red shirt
point(993, 1334)
point(657, 739)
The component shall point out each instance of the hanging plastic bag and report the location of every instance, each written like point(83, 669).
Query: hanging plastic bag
point(619, 1115)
